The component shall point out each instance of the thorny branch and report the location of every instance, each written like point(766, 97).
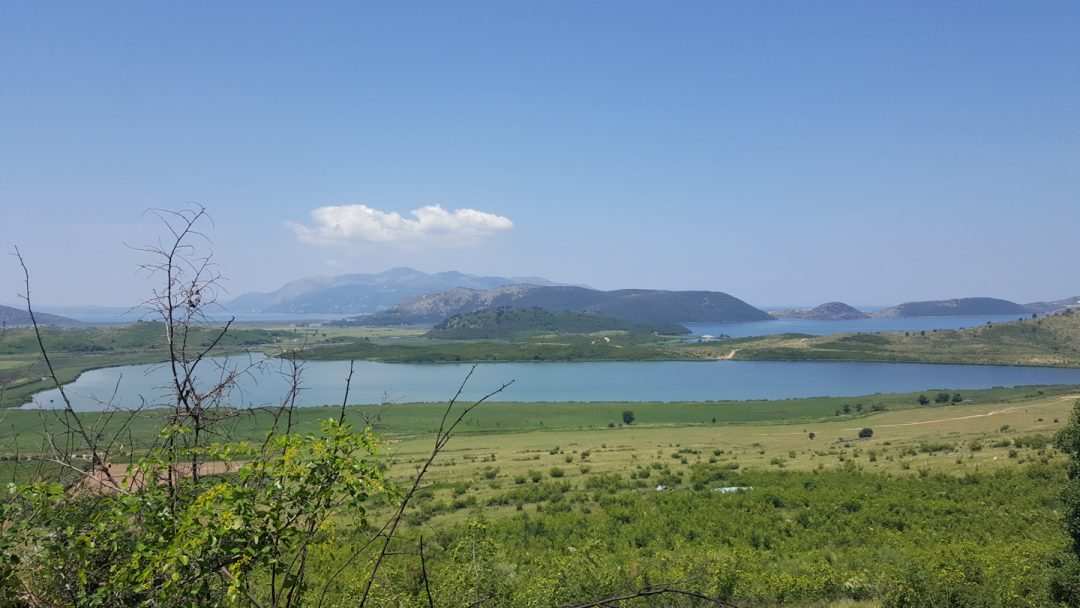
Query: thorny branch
point(73, 422)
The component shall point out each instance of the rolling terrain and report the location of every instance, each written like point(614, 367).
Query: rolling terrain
point(16, 317)
point(764, 503)
point(637, 305)
point(364, 293)
point(1049, 341)
point(974, 306)
point(830, 311)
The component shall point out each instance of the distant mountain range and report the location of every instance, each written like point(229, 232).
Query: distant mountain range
point(637, 305)
point(408, 296)
point(973, 306)
point(833, 311)
point(17, 317)
point(364, 293)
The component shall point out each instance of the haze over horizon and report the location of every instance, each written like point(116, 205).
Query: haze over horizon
point(788, 154)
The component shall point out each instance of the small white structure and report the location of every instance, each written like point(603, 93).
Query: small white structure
point(732, 489)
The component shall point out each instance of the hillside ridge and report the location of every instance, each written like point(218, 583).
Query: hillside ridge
point(360, 293)
point(637, 305)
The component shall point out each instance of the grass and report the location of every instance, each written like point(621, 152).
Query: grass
point(932, 482)
point(405, 421)
point(953, 439)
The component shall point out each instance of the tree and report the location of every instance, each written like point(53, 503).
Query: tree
point(165, 530)
point(942, 398)
point(627, 417)
point(866, 433)
point(957, 398)
point(1065, 586)
point(1068, 441)
point(812, 435)
point(924, 400)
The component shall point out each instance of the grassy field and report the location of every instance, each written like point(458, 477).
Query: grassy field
point(405, 421)
point(951, 504)
point(953, 439)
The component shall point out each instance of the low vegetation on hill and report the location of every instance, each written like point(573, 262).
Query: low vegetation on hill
point(958, 306)
point(636, 305)
point(16, 317)
point(1047, 341)
point(508, 323)
point(829, 311)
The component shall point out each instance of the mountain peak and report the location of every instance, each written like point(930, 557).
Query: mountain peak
point(362, 293)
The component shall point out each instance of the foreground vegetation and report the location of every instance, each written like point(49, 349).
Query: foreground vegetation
point(954, 504)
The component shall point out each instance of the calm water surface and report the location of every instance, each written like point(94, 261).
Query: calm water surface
point(324, 381)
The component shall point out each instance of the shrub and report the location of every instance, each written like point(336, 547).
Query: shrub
point(866, 433)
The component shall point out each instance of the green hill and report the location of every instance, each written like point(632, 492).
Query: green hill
point(17, 317)
point(509, 323)
point(637, 305)
point(1049, 341)
point(958, 306)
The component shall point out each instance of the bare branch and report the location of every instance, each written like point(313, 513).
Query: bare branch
point(348, 383)
point(442, 437)
point(71, 418)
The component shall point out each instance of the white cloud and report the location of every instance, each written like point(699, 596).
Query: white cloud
point(352, 224)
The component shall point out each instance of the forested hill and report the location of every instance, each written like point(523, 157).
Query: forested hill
point(958, 306)
point(830, 311)
point(508, 323)
point(637, 305)
point(16, 317)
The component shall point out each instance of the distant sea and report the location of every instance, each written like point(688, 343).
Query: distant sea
point(117, 316)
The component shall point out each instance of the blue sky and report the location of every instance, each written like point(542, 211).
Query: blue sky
point(786, 153)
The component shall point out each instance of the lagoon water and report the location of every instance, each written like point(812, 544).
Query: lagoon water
point(324, 381)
